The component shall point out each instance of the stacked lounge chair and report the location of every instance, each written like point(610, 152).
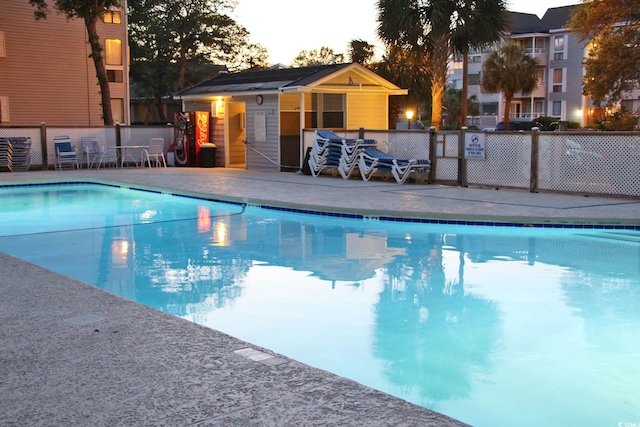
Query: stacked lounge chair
point(15, 153)
point(332, 151)
point(6, 152)
point(373, 160)
point(347, 154)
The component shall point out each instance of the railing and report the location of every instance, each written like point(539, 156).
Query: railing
point(602, 163)
point(43, 154)
point(596, 163)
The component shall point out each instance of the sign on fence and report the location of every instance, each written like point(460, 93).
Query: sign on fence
point(474, 146)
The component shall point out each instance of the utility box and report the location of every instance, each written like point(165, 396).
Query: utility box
point(208, 155)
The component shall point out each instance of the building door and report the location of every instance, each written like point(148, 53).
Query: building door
point(236, 135)
point(516, 109)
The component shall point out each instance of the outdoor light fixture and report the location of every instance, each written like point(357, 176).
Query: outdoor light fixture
point(409, 114)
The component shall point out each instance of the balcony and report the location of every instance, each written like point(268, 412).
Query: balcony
point(541, 55)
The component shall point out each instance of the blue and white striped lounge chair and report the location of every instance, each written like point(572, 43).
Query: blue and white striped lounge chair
point(373, 160)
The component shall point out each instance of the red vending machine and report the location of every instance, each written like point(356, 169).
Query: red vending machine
point(191, 131)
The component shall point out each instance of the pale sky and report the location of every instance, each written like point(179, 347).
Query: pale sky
point(286, 27)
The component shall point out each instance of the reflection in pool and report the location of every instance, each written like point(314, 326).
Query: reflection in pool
point(493, 326)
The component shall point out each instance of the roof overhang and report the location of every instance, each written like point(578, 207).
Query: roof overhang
point(366, 82)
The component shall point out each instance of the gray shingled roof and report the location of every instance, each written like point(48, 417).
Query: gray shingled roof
point(557, 17)
point(554, 18)
point(523, 23)
point(264, 80)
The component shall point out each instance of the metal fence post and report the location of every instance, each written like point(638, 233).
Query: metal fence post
point(433, 142)
point(118, 144)
point(535, 158)
point(43, 146)
point(462, 162)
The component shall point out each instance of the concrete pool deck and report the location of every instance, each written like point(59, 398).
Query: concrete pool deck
point(74, 355)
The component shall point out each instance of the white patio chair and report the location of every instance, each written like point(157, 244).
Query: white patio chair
point(155, 152)
point(93, 151)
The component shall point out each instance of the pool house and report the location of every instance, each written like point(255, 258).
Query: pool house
point(257, 117)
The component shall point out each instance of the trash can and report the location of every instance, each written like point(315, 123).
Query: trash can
point(208, 155)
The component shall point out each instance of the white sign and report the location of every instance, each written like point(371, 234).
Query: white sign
point(260, 127)
point(474, 146)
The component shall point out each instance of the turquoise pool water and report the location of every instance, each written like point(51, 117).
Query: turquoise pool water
point(493, 326)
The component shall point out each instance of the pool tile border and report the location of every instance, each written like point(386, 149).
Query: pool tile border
point(436, 221)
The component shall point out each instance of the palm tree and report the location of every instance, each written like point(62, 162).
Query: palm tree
point(361, 52)
point(479, 23)
point(509, 71)
point(405, 68)
point(436, 26)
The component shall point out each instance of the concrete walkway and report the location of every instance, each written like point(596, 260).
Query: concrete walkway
point(74, 355)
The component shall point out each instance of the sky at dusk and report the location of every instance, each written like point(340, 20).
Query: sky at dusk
point(286, 27)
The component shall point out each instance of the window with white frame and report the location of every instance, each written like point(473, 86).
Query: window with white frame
point(115, 76)
point(558, 47)
point(113, 17)
point(556, 108)
point(117, 110)
point(474, 79)
point(558, 79)
point(113, 51)
point(540, 77)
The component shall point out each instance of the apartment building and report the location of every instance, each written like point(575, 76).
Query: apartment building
point(46, 74)
point(560, 55)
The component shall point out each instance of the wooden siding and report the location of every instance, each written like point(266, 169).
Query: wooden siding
point(367, 110)
point(271, 147)
point(217, 137)
point(46, 73)
point(351, 78)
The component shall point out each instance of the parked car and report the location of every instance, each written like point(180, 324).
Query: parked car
point(515, 126)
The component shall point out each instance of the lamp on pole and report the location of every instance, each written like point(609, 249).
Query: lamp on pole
point(409, 114)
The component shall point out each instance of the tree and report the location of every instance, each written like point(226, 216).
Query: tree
point(249, 57)
point(90, 12)
point(325, 55)
point(455, 118)
point(177, 43)
point(613, 62)
point(479, 23)
point(361, 52)
point(405, 68)
point(509, 71)
point(437, 27)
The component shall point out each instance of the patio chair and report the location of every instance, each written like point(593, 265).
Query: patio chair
point(66, 154)
point(373, 160)
point(93, 151)
point(155, 152)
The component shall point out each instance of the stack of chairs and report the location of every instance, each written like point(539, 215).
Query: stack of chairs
point(373, 160)
point(332, 151)
point(21, 156)
point(15, 154)
point(6, 152)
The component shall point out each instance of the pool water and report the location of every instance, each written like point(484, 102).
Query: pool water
point(493, 326)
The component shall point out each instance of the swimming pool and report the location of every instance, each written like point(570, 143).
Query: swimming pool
point(493, 326)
